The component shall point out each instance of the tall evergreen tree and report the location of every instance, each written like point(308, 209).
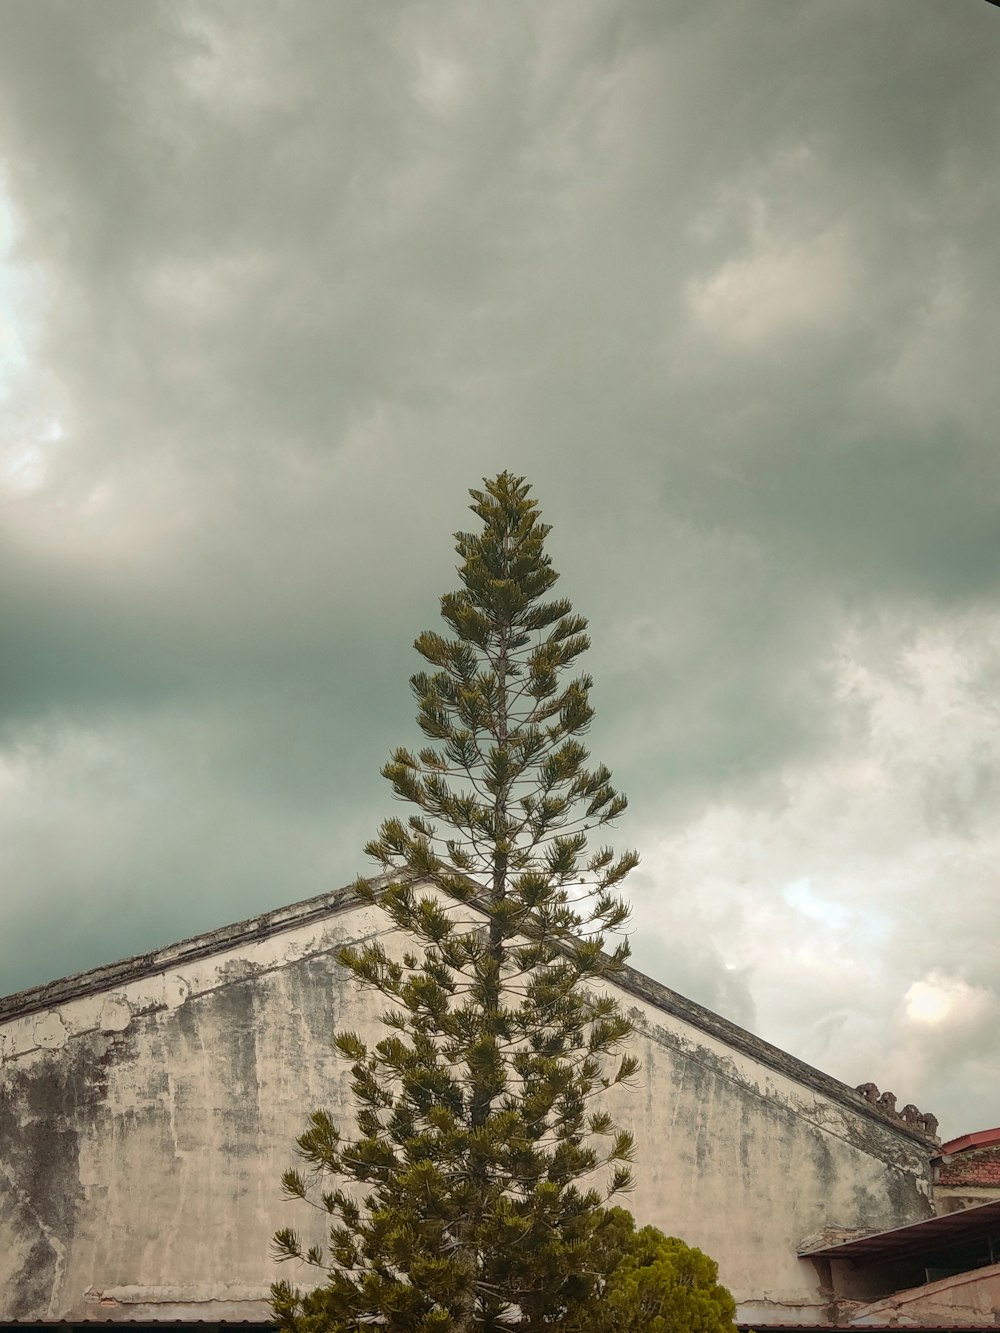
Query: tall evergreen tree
point(466, 1197)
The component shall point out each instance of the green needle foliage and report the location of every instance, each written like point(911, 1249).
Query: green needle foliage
point(466, 1198)
point(656, 1284)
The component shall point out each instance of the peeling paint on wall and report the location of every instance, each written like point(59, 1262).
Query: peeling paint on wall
point(148, 1111)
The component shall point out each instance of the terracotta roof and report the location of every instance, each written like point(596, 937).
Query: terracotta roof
point(982, 1138)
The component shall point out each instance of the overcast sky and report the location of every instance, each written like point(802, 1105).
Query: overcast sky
point(280, 281)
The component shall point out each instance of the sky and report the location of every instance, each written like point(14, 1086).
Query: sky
point(280, 281)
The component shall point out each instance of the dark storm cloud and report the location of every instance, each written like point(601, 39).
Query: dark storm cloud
point(720, 279)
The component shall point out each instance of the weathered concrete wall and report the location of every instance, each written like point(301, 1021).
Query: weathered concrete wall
point(148, 1110)
point(744, 1160)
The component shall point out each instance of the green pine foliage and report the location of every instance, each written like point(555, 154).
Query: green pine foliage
point(655, 1283)
point(471, 1192)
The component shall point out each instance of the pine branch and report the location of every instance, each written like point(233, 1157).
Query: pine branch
point(473, 1110)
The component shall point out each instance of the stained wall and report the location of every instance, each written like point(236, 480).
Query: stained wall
point(148, 1109)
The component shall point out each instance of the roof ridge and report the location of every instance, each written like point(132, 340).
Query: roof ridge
point(97, 979)
point(262, 926)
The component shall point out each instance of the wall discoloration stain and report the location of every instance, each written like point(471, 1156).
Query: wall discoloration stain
point(148, 1111)
point(116, 1014)
point(50, 1032)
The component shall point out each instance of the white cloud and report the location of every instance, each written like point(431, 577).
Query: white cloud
point(441, 82)
point(782, 288)
point(877, 857)
point(22, 295)
point(941, 1000)
point(291, 277)
point(199, 290)
point(230, 64)
point(25, 462)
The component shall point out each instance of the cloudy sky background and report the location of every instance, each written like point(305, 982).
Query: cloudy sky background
point(280, 281)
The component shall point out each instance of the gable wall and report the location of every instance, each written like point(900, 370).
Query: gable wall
point(144, 1129)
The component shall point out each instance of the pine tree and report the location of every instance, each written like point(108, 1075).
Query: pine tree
point(466, 1199)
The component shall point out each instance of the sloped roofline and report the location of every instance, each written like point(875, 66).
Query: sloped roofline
point(322, 905)
point(982, 1138)
point(916, 1238)
point(110, 975)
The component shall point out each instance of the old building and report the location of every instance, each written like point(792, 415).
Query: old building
point(967, 1171)
point(148, 1108)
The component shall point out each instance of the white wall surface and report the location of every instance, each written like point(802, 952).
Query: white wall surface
point(147, 1112)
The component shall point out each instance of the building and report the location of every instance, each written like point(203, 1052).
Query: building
point(148, 1109)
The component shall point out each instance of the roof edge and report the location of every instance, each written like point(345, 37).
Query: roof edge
point(109, 975)
point(662, 997)
point(962, 1220)
point(321, 905)
point(980, 1138)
